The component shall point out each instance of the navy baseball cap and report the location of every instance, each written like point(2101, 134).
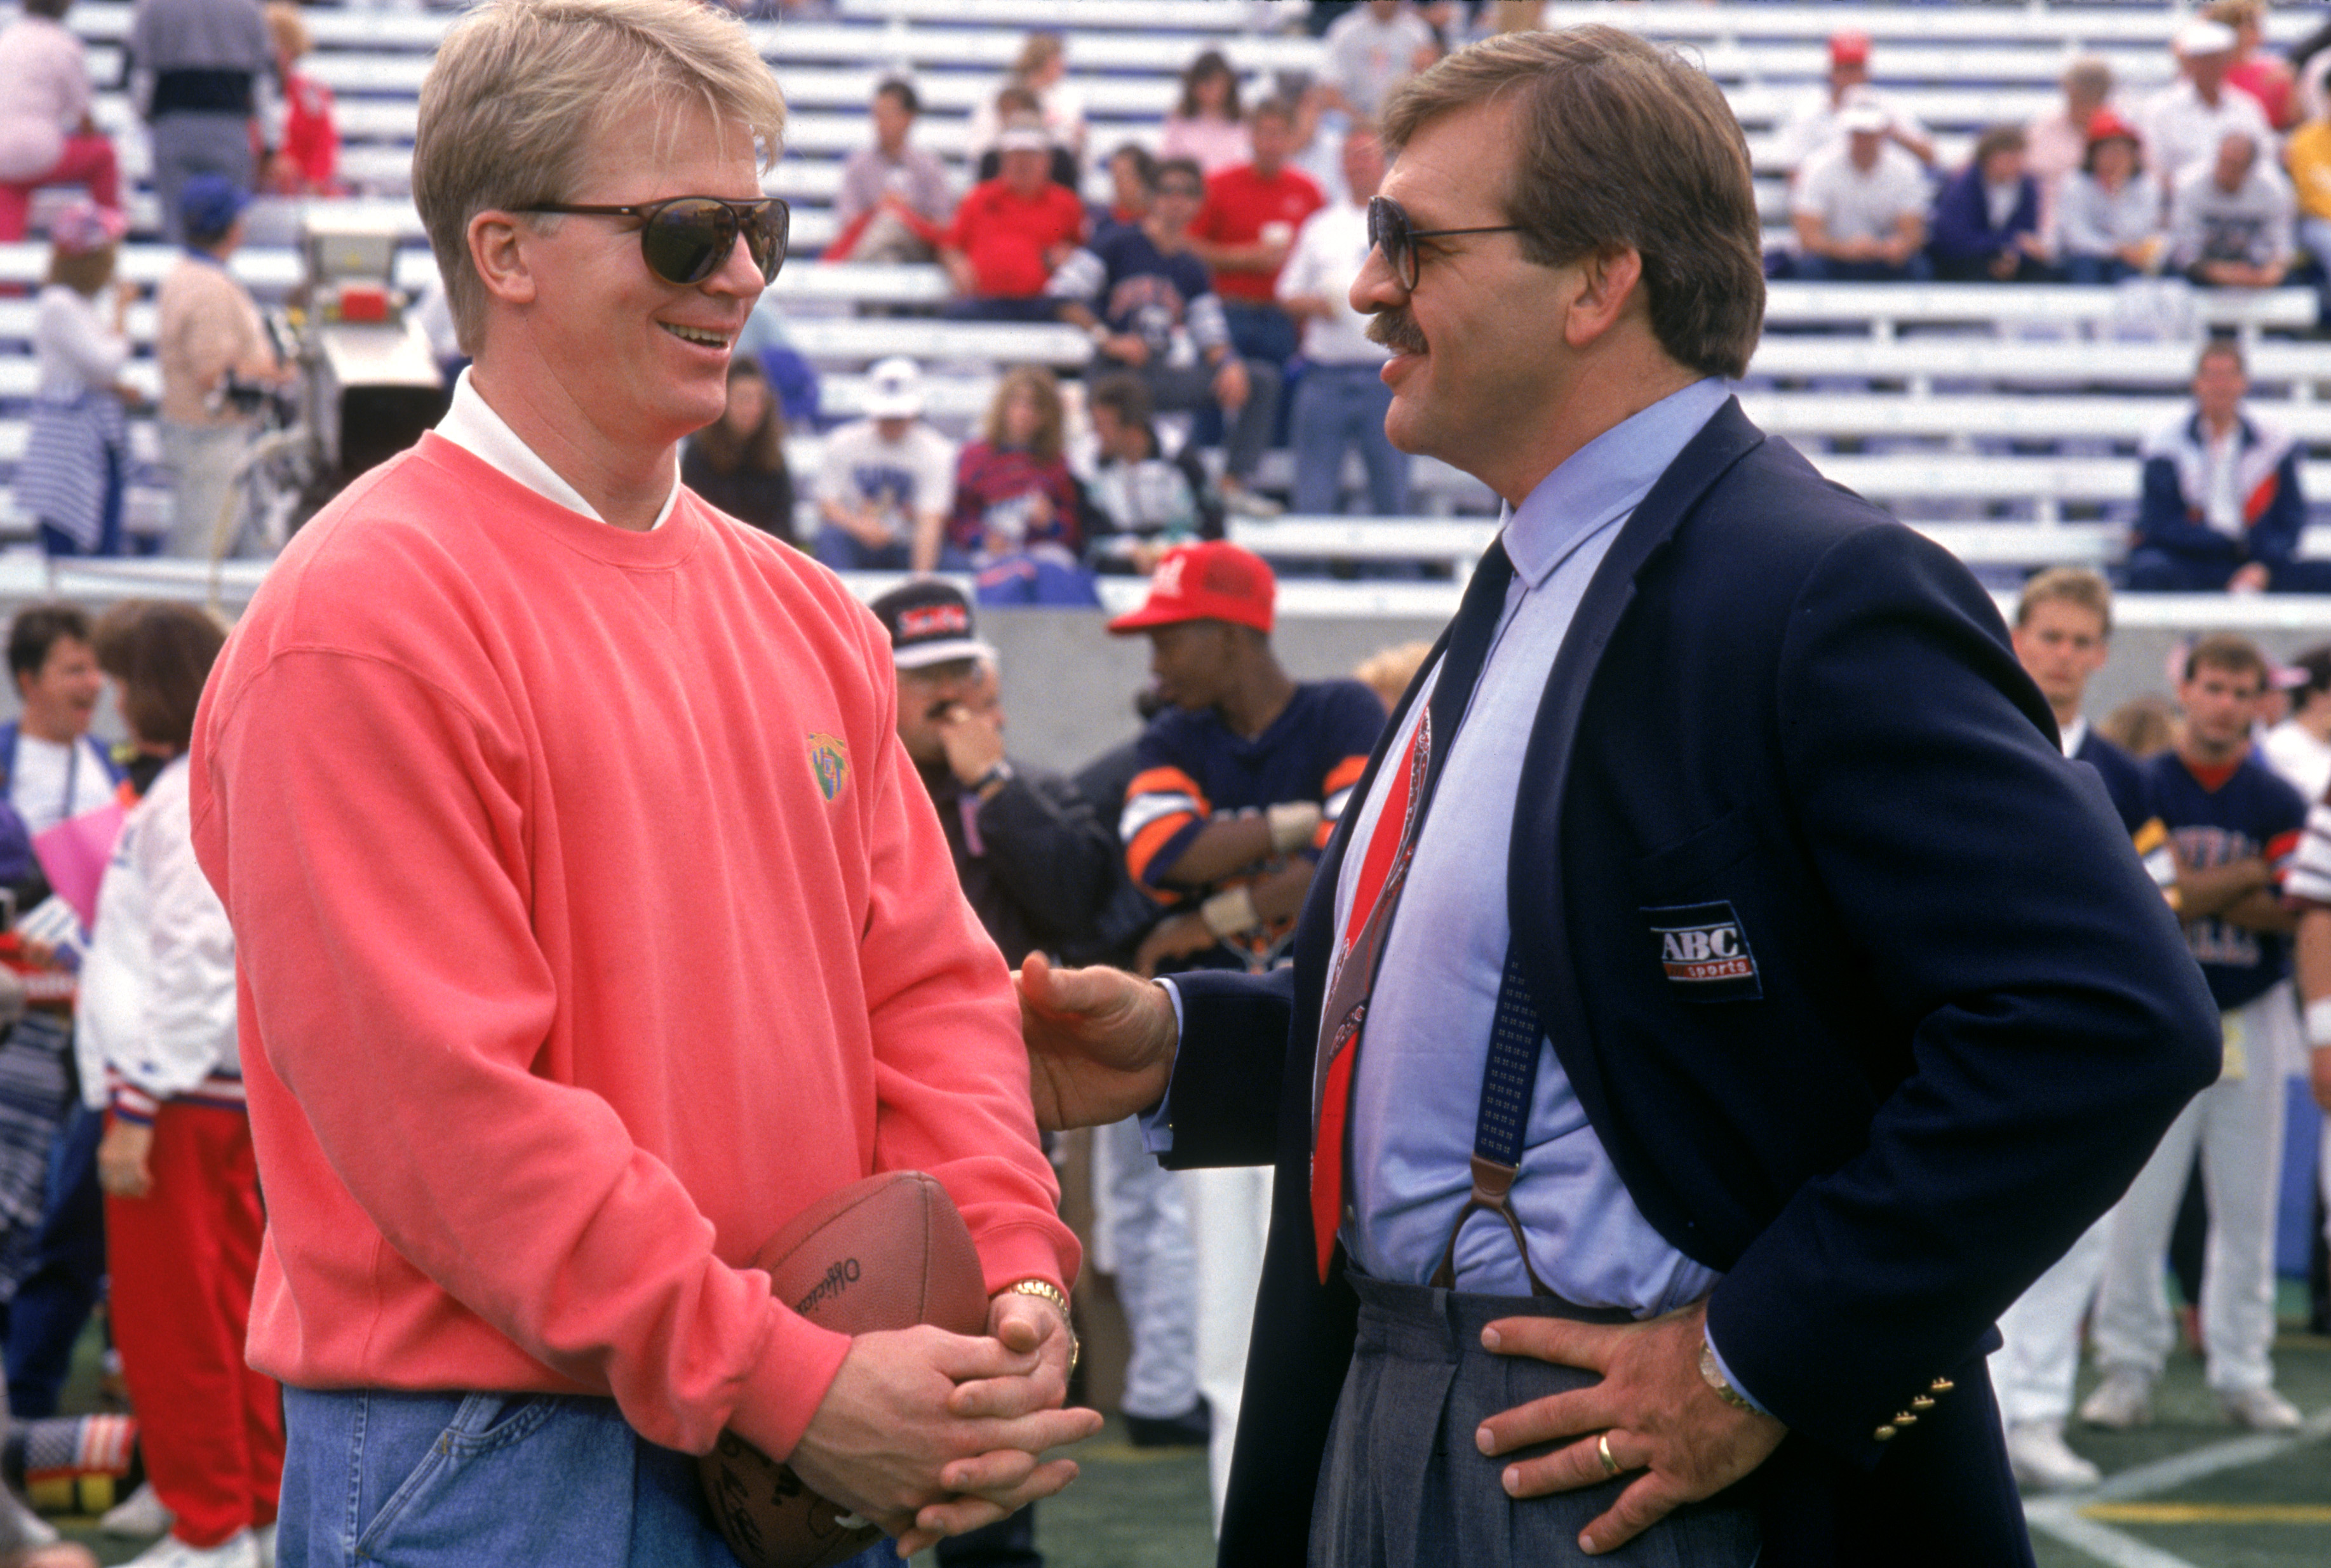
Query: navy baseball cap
point(208, 206)
point(930, 622)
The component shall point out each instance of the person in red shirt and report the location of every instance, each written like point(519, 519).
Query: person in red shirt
point(307, 163)
point(1247, 227)
point(1010, 233)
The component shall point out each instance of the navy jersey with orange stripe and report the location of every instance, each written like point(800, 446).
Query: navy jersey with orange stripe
point(2215, 817)
point(1192, 767)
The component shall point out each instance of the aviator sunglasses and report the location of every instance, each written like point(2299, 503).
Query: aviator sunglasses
point(1390, 232)
point(687, 238)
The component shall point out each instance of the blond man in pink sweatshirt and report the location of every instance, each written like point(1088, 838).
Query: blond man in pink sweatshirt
point(590, 920)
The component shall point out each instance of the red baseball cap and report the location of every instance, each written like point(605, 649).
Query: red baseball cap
point(2105, 125)
point(1208, 581)
point(1850, 48)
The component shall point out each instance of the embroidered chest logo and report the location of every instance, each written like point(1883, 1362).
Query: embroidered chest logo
point(829, 762)
point(1704, 953)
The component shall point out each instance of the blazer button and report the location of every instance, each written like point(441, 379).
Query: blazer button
point(1905, 1419)
point(1942, 1386)
point(1922, 1403)
point(1884, 1434)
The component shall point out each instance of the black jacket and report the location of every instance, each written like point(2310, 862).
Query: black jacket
point(1970, 1019)
point(1044, 872)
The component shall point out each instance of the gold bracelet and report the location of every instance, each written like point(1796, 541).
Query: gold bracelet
point(1053, 1294)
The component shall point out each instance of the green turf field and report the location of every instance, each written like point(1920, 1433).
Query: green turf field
point(2189, 1492)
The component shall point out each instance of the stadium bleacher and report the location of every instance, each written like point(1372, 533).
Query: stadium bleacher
point(2004, 419)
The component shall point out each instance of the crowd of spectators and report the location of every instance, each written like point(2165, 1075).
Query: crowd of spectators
point(2213, 177)
point(1181, 275)
point(228, 114)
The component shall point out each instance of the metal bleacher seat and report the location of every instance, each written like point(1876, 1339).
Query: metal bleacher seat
point(1913, 395)
point(1885, 308)
point(2064, 26)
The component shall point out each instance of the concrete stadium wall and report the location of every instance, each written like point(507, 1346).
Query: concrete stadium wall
point(1069, 685)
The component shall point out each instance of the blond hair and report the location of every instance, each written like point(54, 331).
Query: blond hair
point(510, 107)
point(2075, 585)
point(1039, 383)
point(287, 29)
point(1388, 671)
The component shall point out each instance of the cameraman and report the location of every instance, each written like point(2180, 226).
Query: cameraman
point(210, 330)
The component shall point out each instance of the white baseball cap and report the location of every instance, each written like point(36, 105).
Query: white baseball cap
point(2203, 36)
point(895, 390)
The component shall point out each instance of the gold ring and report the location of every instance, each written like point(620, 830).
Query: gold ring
point(1602, 1451)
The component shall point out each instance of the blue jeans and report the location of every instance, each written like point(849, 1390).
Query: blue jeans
point(838, 550)
point(1190, 388)
point(450, 1481)
point(1337, 407)
point(2154, 570)
point(2097, 270)
point(1826, 269)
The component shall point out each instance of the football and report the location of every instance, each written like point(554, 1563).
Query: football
point(887, 1252)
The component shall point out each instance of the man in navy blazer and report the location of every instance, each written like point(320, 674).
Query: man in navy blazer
point(1853, 1004)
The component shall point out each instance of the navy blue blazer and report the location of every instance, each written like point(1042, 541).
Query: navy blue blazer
point(1968, 1019)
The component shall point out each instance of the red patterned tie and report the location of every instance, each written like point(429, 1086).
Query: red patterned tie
point(1384, 869)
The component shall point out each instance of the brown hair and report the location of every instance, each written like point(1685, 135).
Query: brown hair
point(37, 629)
point(1209, 63)
point(1039, 385)
point(2143, 725)
point(161, 653)
point(2091, 75)
point(1997, 138)
point(1123, 394)
point(83, 271)
point(1624, 146)
point(2230, 651)
point(2222, 349)
point(2070, 585)
point(762, 449)
point(2237, 14)
point(1041, 49)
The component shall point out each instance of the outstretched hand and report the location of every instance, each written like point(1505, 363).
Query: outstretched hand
point(1657, 1413)
point(1100, 1044)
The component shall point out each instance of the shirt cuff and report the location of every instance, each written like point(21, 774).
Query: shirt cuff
point(1157, 1121)
point(1717, 1352)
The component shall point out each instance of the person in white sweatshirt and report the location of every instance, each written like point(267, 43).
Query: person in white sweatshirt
point(182, 1212)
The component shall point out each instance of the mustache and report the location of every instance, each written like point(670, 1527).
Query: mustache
point(1396, 330)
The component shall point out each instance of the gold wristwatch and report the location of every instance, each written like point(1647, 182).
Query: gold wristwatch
point(1053, 1294)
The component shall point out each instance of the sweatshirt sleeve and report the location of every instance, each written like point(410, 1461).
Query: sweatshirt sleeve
point(187, 1030)
point(371, 840)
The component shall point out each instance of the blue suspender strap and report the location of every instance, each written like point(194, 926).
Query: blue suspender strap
point(1509, 1084)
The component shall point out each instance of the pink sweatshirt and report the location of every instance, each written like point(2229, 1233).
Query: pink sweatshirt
point(590, 921)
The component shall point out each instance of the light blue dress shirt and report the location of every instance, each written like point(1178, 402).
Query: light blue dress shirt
point(1419, 1079)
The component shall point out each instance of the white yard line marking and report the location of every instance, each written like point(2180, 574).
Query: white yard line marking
point(2234, 1454)
point(2059, 1516)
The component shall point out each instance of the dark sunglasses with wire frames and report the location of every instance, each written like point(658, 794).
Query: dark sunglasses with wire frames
point(687, 238)
point(1390, 231)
